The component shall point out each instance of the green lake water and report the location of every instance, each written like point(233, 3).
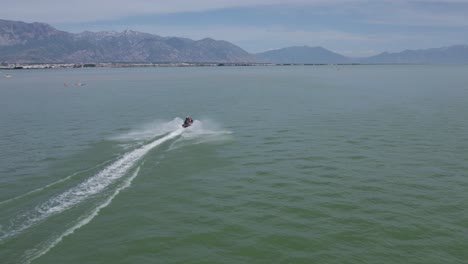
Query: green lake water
point(313, 164)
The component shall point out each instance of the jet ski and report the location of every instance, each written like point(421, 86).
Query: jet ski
point(188, 122)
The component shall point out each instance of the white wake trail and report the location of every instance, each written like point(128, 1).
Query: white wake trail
point(82, 191)
point(38, 253)
point(53, 183)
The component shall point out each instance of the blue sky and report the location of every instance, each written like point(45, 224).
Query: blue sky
point(350, 27)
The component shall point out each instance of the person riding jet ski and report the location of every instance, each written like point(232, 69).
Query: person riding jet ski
point(188, 122)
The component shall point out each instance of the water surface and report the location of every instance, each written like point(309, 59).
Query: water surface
point(314, 164)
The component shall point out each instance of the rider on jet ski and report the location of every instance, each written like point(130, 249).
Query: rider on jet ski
point(188, 121)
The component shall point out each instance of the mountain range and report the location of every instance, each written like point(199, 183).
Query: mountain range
point(40, 43)
point(22, 42)
point(303, 55)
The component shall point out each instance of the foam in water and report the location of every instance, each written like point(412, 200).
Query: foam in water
point(202, 131)
point(84, 190)
point(53, 183)
point(32, 255)
point(150, 130)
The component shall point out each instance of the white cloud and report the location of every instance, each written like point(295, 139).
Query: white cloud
point(59, 11)
point(425, 13)
point(423, 18)
point(383, 11)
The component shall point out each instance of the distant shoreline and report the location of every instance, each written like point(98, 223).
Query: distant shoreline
point(26, 66)
point(21, 66)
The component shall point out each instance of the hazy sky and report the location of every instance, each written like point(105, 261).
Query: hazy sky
point(350, 27)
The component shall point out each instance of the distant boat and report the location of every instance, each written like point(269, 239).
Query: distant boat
point(7, 76)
